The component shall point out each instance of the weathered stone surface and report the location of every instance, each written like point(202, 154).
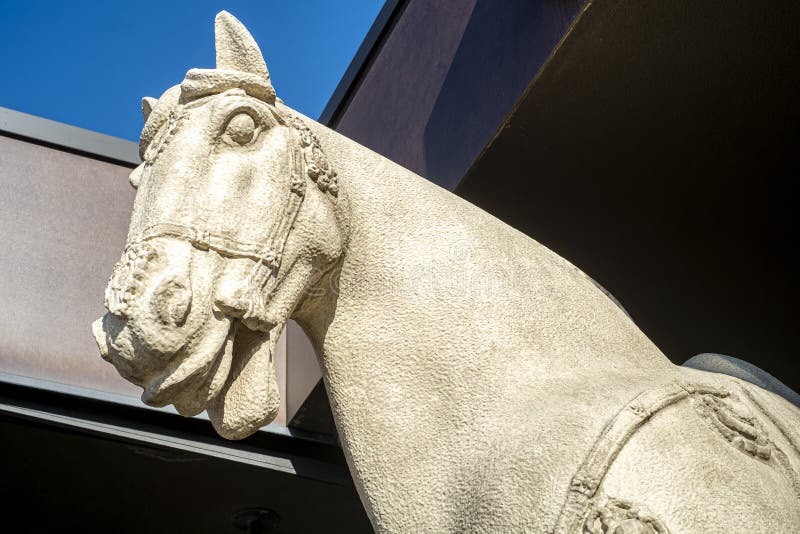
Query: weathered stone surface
point(479, 382)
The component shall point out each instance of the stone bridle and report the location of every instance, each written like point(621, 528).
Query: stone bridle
point(307, 160)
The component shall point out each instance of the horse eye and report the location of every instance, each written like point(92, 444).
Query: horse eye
point(241, 128)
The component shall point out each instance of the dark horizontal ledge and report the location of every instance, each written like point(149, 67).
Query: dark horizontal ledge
point(69, 138)
point(166, 433)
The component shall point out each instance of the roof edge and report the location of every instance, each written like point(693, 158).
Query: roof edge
point(371, 44)
point(65, 136)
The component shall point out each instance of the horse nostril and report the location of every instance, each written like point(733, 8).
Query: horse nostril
point(172, 300)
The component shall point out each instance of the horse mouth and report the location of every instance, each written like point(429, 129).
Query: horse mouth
point(228, 372)
point(196, 379)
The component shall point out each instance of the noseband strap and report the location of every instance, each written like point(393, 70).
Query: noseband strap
point(218, 242)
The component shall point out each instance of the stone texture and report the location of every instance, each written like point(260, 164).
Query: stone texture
point(479, 382)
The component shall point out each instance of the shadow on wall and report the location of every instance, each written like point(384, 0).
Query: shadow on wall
point(446, 77)
point(500, 52)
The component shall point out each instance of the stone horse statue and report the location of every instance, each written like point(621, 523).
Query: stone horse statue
point(479, 382)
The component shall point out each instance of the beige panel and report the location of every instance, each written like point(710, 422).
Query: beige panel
point(296, 370)
point(280, 376)
point(63, 222)
point(303, 369)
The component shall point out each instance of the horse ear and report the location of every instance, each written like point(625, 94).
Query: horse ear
point(236, 48)
point(148, 103)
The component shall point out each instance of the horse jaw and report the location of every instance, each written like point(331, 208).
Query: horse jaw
point(250, 398)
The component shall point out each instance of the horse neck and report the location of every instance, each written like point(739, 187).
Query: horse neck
point(444, 322)
point(435, 295)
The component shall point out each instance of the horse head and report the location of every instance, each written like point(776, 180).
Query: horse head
point(235, 218)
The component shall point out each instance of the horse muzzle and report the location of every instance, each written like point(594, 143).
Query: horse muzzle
point(117, 346)
point(188, 378)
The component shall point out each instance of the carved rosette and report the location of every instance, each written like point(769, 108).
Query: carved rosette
point(317, 166)
point(616, 516)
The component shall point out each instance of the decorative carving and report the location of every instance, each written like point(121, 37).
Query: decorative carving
point(616, 516)
point(154, 146)
point(584, 484)
point(736, 423)
point(127, 276)
point(317, 166)
point(725, 414)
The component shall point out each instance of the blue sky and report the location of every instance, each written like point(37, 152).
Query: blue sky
point(89, 63)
